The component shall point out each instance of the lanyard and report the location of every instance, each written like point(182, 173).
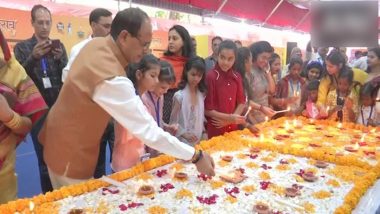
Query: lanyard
point(298, 86)
point(369, 117)
point(44, 66)
point(156, 107)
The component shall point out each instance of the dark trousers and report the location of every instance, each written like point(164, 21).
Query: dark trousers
point(43, 171)
point(107, 138)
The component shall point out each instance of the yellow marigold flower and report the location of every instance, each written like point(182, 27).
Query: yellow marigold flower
point(278, 189)
point(144, 176)
point(231, 199)
point(223, 163)
point(177, 166)
point(299, 178)
point(157, 210)
point(216, 184)
point(282, 167)
point(311, 161)
point(264, 176)
point(309, 207)
point(183, 193)
point(322, 194)
point(292, 160)
point(249, 188)
point(252, 165)
point(241, 156)
point(267, 159)
point(333, 183)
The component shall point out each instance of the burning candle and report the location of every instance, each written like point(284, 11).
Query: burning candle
point(294, 122)
point(266, 119)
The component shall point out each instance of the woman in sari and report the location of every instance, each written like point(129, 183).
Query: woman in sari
point(20, 105)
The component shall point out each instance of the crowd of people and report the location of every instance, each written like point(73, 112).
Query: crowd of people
point(113, 91)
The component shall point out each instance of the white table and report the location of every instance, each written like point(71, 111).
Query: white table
point(370, 202)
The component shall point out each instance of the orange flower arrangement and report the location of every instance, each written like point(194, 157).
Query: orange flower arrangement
point(349, 167)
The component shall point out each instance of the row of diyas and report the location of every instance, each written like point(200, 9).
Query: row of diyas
point(278, 132)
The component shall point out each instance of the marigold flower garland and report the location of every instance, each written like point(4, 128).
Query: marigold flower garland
point(228, 142)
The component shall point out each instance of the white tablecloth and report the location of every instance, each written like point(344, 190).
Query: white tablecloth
point(370, 202)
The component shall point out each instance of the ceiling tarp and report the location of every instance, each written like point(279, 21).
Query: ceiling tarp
point(278, 13)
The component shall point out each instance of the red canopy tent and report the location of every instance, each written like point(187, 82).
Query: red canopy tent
point(267, 13)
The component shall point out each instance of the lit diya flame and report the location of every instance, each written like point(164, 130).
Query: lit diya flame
point(339, 126)
point(286, 125)
point(261, 208)
point(297, 124)
point(362, 139)
point(311, 121)
point(31, 205)
point(227, 158)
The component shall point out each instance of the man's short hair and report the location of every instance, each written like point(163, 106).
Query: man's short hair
point(130, 20)
point(97, 13)
point(38, 7)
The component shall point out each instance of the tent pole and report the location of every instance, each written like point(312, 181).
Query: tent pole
point(220, 7)
point(130, 3)
point(271, 13)
point(302, 20)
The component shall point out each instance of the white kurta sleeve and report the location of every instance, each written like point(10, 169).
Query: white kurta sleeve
point(118, 97)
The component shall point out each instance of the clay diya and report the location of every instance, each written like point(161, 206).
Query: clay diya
point(351, 148)
point(281, 136)
point(290, 131)
point(76, 211)
point(145, 190)
point(321, 164)
point(254, 150)
point(291, 192)
point(227, 158)
point(314, 145)
point(235, 177)
point(309, 177)
point(180, 175)
point(261, 209)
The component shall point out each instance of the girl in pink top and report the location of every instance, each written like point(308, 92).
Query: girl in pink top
point(154, 100)
point(128, 150)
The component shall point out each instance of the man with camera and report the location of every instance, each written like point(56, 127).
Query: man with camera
point(43, 60)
